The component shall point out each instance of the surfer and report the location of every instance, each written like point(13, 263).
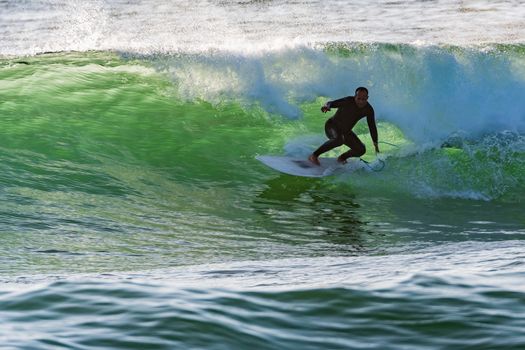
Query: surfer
point(339, 127)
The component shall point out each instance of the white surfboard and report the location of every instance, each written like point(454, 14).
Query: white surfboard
point(302, 166)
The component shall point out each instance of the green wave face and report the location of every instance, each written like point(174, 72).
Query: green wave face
point(112, 120)
point(94, 109)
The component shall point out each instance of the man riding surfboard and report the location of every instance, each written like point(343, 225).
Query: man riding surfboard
point(339, 127)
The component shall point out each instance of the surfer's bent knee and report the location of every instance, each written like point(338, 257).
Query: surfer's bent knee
point(360, 151)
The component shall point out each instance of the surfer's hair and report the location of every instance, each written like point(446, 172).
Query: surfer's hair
point(361, 88)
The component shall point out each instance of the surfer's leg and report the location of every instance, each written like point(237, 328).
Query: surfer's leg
point(328, 145)
point(334, 139)
point(357, 148)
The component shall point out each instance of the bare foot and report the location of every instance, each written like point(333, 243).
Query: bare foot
point(314, 159)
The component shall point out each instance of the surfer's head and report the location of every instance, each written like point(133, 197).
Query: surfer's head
point(361, 96)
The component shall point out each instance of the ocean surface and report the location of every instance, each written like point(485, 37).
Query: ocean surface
point(134, 215)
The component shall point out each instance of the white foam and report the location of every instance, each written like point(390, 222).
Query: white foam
point(197, 26)
point(429, 93)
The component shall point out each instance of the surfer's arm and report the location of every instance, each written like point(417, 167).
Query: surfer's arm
point(333, 104)
point(371, 120)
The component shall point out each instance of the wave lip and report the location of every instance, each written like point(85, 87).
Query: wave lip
point(428, 92)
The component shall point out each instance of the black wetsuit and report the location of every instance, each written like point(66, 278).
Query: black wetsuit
point(339, 128)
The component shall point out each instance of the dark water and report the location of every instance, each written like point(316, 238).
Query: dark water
point(128, 315)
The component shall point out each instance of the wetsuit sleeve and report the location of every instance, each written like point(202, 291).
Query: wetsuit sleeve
point(371, 120)
point(337, 103)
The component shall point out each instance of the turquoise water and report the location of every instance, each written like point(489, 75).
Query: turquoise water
point(134, 215)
